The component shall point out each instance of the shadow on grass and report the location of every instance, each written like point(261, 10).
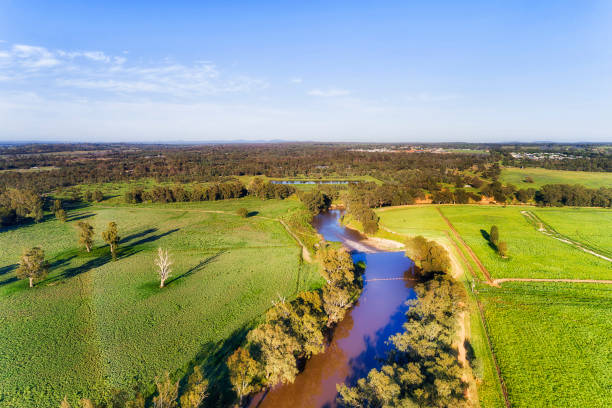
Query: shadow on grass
point(27, 222)
point(196, 268)
point(212, 359)
point(75, 205)
point(8, 268)
point(81, 216)
point(252, 213)
point(152, 238)
point(487, 237)
point(104, 257)
point(137, 235)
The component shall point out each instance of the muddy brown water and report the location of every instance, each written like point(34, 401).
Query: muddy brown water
point(359, 341)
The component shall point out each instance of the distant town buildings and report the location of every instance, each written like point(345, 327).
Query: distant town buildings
point(543, 156)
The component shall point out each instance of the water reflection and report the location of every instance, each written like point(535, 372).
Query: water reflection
point(359, 340)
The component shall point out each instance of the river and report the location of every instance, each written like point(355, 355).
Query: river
point(359, 339)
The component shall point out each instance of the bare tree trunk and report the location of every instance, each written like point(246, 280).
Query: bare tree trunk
point(163, 262)
point(88, 248)
point(31, 282)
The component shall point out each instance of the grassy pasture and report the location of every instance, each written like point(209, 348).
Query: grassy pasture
point(590, 226)
point(413, 220)
point(531, 253)
point(553, 342)
point(512, 175)
point(94, 324)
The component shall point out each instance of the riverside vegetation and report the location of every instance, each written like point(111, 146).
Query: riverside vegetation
point(422, 369)
point(91, 327)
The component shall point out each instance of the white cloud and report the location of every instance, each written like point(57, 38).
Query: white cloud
point(31, 57)
point(296, 80)
point(96, 71)
point(327, 93)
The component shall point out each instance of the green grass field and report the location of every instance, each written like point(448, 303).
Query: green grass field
point(412, 221)
point(95, 324)
point(590, 226)
point(553, 342)
point(512, 175)
point(531, 253)
point(551, 339)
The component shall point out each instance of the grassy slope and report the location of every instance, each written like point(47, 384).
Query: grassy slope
point(543, 176)
point(531, 253)
point(553, 342)
point(95, 324)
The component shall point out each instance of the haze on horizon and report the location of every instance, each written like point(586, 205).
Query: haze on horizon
point(475, 71)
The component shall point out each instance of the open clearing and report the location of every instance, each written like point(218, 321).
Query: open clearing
point(591, 227)
point(531, 253)
point(541, 177)
point(95, 324)
point(553, 342)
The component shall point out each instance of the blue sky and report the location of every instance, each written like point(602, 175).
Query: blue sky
point(330, 70)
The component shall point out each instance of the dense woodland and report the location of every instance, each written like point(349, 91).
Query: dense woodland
point(32, 172)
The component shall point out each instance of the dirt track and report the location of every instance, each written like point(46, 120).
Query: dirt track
point(502, 280)
point(482, 268)
point(547, 230)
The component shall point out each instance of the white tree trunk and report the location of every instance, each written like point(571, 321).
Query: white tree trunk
point(163, 264)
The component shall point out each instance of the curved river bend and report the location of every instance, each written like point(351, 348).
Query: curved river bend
point(359, 340)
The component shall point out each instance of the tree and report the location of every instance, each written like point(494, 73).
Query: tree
point(98, 196)
point(61, 215)
point(316, 201)
point(163, 263)
point(242, 212)
point(86, 232)
point(57, 205)
point(167, 392)
point(196, 390)
point(65, 403)
point(37, 209)
point(429, 256)
point(502, 249)
point(277, 348)
point(336, 301)
point(33, 265)
point(243, 372)
point(494, 235)
point(111, 237)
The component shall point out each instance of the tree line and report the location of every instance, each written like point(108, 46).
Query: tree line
point(215, 191)
point(293, 331)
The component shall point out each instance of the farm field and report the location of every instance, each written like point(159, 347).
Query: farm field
point(531, 253)
point(552, 342)
point(541, 177)
point(95, 324)
point(546, 336)
point(589, 226)
point(414, 220)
